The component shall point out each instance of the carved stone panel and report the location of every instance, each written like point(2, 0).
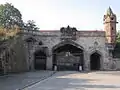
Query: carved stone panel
point(68, 33)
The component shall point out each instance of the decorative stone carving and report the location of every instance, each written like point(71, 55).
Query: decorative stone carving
point(95, 43)
point(68, 33)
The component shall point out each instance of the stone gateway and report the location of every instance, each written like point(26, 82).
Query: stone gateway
point(72, 49)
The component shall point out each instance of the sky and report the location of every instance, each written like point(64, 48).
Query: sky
point(54, 14)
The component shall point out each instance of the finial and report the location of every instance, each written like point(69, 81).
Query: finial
point(68, 26)
point(109, 11)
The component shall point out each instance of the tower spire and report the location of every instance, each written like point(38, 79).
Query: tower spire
point(109, 11)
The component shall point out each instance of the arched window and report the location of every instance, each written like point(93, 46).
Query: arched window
point(112, 28)
point(112, 18)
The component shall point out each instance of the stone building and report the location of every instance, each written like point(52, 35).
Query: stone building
point(67, 49)
point(72, 49)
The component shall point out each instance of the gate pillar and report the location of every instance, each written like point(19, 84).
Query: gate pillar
point(80, 68)
point(49, 61)
point(86, 61)
point(55, 68)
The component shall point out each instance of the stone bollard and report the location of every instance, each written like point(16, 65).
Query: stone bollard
point(55, 68)
point(80, 68)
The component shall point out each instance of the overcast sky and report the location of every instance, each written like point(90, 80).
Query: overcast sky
point(53, 14)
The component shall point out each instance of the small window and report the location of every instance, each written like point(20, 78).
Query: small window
point(112, 28)
point(112, 18)
point(40, 43)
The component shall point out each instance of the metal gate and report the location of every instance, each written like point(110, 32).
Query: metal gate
point(67, 61)
point(40, 62)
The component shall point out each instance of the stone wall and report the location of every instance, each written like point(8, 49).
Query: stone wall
point(13, 57)
point(19, 56)
point(115, 65)
point(21, 53)
point(91, 41)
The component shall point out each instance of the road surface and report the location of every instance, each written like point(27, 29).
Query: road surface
point(73, 80)
point(20, 80)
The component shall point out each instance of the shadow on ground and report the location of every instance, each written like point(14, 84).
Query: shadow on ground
point(18, 81)
point(67, 81)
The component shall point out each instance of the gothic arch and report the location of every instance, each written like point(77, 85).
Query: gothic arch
point(95, 60)
point(44, 49)
point(68, 52)
point(67, 42)
point(96, 51)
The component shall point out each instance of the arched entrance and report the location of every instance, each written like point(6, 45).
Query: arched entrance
point(67, 57)
point(40, 60)
point(95, 61)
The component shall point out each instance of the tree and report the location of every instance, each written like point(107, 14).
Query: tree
point(10, 16)
point(116, 52)
point(118, 42)
point(30, 25)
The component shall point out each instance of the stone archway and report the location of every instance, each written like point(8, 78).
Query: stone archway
point(68, 56)
point(95, 59)
point(40, 60)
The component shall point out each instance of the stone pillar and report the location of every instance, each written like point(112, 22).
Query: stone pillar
point(80, 68)
point(32, 61)
point(4, 65)
point(55, 68)
point(49, 62)
point(102, 59)
point(86, 61)
point(27, 51)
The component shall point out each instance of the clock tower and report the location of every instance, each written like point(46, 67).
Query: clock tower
point(110, 21)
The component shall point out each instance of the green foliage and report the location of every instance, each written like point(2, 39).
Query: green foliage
point(11, 22)
point(118, 37)
point(116, 51)
point(30, 25)
point(10, 16)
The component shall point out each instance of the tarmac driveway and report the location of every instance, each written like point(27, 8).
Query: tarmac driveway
point(73, 80)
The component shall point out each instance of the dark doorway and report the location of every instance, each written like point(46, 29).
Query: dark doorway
point(95, 61)
point(67, 57)
point(40, 60)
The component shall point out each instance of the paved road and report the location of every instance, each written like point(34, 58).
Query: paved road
point(72, 80)
point(18, 81)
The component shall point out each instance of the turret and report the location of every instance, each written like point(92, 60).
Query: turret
point(110, 21)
